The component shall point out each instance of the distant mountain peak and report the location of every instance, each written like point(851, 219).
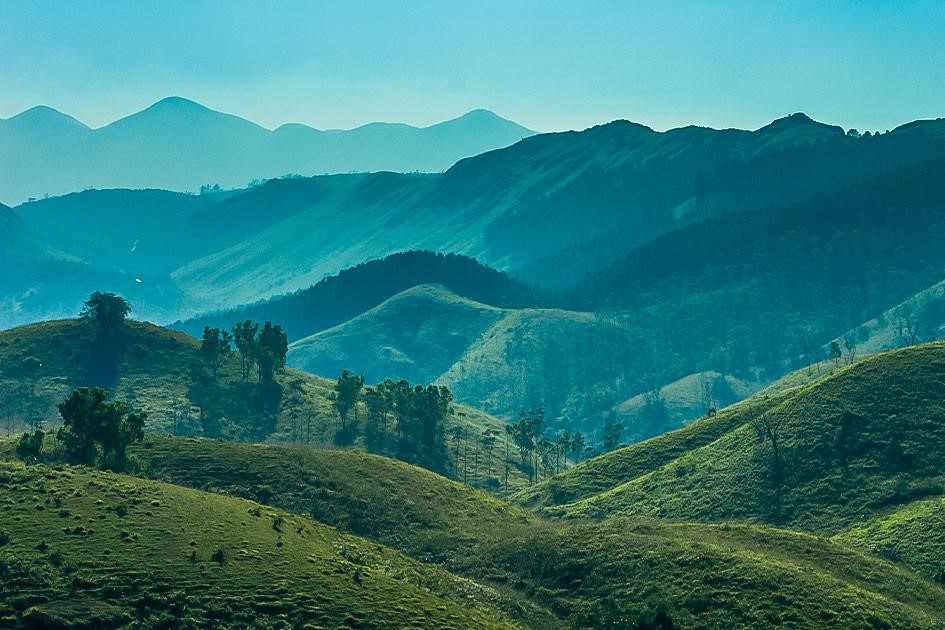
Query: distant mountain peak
point(45, 115)
point(177, 102)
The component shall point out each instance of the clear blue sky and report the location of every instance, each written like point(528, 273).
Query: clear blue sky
point(549, 65)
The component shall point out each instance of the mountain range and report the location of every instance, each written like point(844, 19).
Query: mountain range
point(177, 144)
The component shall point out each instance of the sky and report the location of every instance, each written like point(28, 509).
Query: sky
point(546, 64)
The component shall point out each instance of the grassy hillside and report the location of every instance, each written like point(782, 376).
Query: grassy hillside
point(857, 443)
point(417, 335)
point(563, 572)
point(403, 506)
point(679, 402)
point(160, 372)
point(601, 473)
point(574, 363)
point(108, 550)
point(572, 572)
point(913, 535)
point(498, 359)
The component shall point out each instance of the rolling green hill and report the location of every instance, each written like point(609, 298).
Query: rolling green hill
point(857, 443)
point(417, 335)
point(912, 535)
point(106, 550)
point(161, 373)
point(499, 360)
point(564, 572)
point(353, 291)
point(610, 470)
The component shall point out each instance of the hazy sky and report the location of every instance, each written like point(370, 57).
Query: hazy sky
point(548, 65)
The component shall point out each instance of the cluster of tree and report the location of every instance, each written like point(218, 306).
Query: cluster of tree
point(240, 409)
point(263, 349)
point(94, 431)
point(406, 420)
point(537, 450)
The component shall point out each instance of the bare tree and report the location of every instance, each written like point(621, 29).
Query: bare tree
point(908, 331)
point(708, 401)
point(768, 432)
point(850, 346)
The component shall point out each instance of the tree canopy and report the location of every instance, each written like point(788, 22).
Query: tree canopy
point(96, 430)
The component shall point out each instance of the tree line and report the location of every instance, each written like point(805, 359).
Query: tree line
point(407, 421)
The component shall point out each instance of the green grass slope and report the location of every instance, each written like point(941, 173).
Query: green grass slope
point(601, 473)
point(585, 574)
point(574, 363)
point(160, 372)
point(417, 335)
point(913, 535)
point(564, 572)
point(401, 505)
point(857, 443)
point(108, 550)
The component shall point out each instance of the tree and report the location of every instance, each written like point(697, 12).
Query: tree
point(612, 432)
point(91, 422)
point(521, 435)
point(850, 346)
point(106, 311)
point(378, 404)
point(489, 438)
point(29, 448)
point(244, 337)
point(270, 350)
point(215, 347)
point(706, 392)
point(908, 331)
point(347, 390)
point(768, 432)
point(835, 353)
point(577, 446)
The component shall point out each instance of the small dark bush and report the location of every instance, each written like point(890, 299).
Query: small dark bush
point(219, 556)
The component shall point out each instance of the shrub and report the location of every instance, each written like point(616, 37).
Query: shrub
point(30, 446)
point(219, 556)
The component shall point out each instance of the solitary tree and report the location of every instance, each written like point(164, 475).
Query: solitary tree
point(612, 432)
point(768, 433)
point(106, 312)
point(91, 422)
point(850, 346)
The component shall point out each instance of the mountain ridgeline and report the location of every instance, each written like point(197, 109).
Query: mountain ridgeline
point(181, 145)
point(353, 291)
point(676, 260)
point(547, 209)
